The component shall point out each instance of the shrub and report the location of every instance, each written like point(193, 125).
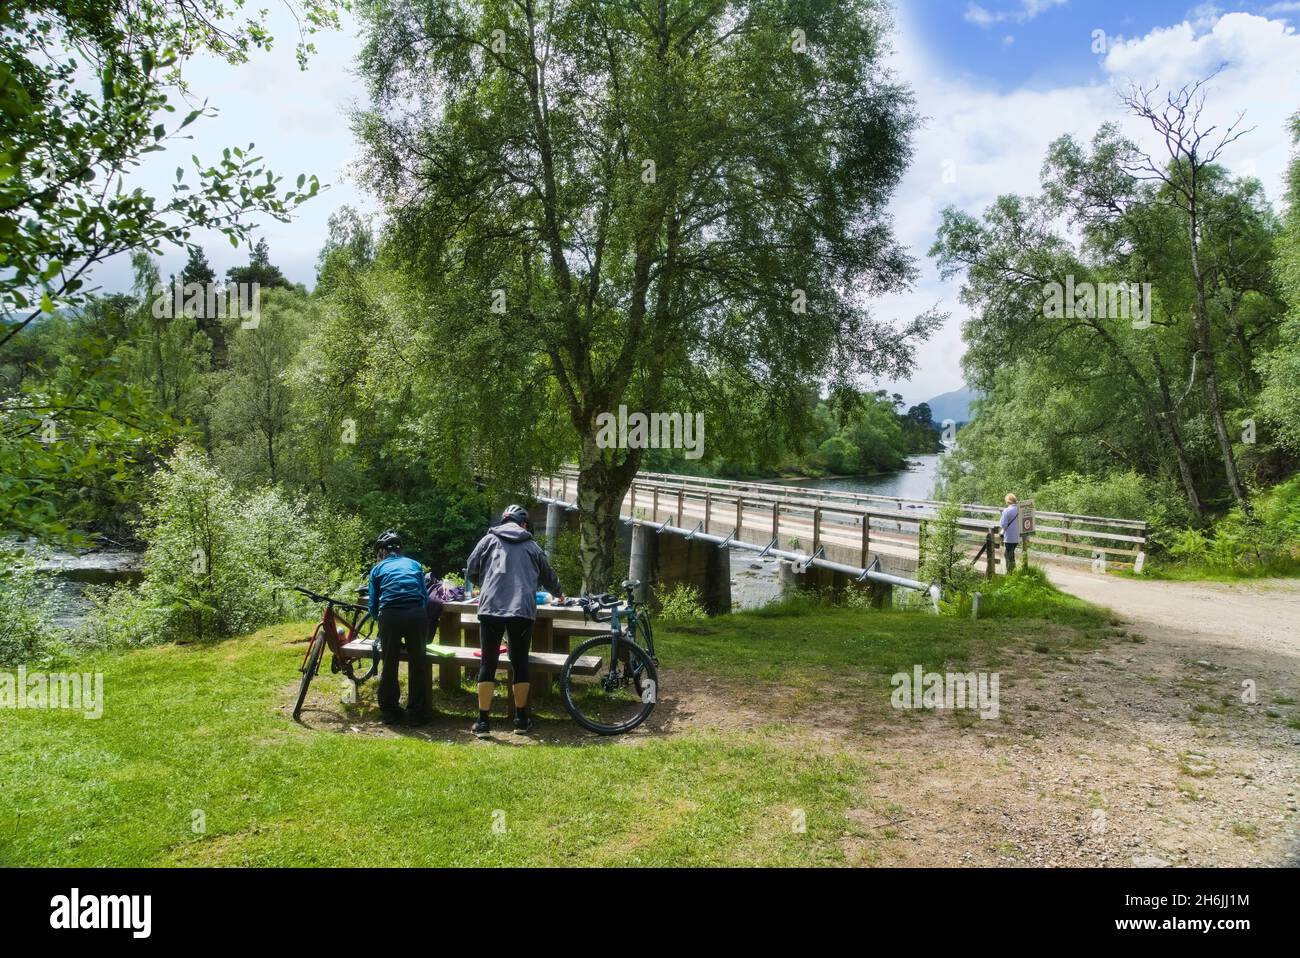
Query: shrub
point(681, 603)
point(217, 563)
point(26, 605)
point(943, 560)
point(1266, 543)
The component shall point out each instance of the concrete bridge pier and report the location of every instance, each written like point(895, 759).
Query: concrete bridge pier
point(640, 564)
point(673, 560)
point(557, 519)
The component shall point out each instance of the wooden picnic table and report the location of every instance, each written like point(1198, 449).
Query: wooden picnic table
point(553, 629)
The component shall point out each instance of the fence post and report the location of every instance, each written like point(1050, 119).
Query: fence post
point(776, 522)
point(990, 561)
point(631, 509)
point(708, 509)
point(817, 529)
point(740, 516)
point(654, 504)
point(866, 539)
point(680, 493)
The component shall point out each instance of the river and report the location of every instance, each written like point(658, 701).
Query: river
point(914, 482)
point(72, 575)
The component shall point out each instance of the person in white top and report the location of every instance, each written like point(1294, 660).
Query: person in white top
point(1010, 523)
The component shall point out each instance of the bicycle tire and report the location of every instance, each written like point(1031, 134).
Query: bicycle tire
point(309, 670)
point(644, 668)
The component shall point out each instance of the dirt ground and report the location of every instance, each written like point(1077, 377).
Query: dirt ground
point(1148, 752)
point(1155, 750)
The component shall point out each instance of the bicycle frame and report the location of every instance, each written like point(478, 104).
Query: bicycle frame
point(353, 618)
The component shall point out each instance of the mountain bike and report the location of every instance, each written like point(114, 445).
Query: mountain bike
point(623, 692)
point(356, 623)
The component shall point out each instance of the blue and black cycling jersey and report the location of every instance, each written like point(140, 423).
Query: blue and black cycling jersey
point(396, 581)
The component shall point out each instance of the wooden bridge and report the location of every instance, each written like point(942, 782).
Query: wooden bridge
point(856, 528)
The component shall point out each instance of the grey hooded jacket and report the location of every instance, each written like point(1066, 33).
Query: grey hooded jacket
point(509, 565)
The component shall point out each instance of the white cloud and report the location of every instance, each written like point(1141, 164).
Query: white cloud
point(1028, 10)
point(993, 142)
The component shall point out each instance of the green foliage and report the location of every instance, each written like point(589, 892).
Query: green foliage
point(567, 565)
point(439, 525)
point(1074, 399)
point(943, 560)
point(1028, 594)
point(253, 415)
point(1265, 543)
point(26, 603)
point(681, 603)
point(1279, 399)
point(77, 437)
point(219, 563)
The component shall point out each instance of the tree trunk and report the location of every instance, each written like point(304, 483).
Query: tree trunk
point(1205, 341)
point(1169, 424)
point(601, 487)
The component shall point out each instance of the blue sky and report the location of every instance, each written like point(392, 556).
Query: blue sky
point(997, 80)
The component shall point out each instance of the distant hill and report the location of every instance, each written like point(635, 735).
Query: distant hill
point(954, 405)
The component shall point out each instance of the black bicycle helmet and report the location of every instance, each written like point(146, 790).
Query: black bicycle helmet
point(389, 541)
point(514, 513)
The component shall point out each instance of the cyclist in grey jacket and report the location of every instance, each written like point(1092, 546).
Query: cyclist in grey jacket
point(509, 565)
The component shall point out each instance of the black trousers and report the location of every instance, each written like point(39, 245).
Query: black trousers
point(490, 630)
point(1011, 555)
point(409, 624)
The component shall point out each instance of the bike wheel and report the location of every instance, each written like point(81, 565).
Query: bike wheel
point(619, 696)
point(309, 669)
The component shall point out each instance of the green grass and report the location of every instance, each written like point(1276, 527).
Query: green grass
point(204, 728)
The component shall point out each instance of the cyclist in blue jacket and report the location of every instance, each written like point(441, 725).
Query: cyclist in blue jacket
point(399, 603)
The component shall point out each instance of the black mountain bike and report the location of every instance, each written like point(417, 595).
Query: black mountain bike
point(622, 692)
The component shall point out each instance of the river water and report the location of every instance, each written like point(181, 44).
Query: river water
point(914, 482)
point(72, 576)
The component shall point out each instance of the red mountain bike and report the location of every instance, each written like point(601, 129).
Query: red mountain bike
point(335, 630)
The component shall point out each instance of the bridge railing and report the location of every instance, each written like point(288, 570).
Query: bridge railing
point(1068, 536)
point(856, 529)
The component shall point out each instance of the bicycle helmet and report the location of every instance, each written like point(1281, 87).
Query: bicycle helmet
point(390, 541)
point(515, 513)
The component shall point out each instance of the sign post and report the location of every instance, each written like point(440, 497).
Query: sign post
point(1025, 517)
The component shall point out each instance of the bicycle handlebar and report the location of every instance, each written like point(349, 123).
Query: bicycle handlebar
point(317, 597)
